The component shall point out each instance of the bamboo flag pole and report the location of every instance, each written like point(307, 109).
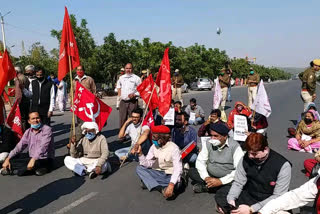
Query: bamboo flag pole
point(139, 132)
point(73, 125)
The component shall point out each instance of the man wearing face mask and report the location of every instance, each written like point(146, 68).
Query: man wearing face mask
point(262, 175)
point(216, 164)
point(177, 82)
point(127, 91)
point(42, 95)
point(166, 177)
point(39, 140)
point(253, 80)
point(30, 73)
point(224, 81)
point(215, 117)
point(182, 134)
point(139, 135)
point(90, 154)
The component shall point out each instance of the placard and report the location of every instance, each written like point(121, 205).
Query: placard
point(240, 128)
point(169, 117)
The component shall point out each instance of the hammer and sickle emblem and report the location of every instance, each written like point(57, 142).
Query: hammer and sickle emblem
point(91, 115)
point(162, 92)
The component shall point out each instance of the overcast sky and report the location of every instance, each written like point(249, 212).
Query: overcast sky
point(277, 33)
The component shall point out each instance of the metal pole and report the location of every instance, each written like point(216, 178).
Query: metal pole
point(3, 34)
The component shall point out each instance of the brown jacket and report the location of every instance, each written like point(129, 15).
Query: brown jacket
point(308, 78)
point(87, 82)
point(224, 80)
point(177, 81)
point(253, 77)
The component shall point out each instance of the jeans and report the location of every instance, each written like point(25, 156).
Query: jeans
point(198, 121)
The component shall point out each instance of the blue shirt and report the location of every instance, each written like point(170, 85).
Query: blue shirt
point(183, 139)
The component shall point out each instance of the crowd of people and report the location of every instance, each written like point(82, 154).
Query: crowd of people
point(245, 176)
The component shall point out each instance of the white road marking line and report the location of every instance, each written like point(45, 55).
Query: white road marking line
point(76, 203)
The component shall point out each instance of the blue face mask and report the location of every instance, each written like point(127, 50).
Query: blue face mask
point(37, 126)
point(251, 72)
point(155, 142)
point(90, 135)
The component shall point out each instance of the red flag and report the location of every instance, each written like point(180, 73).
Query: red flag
point(145, 89)
point(7, 71)
point(89, 108)
point(14, 120)
point(68, 47)
point(2, 111)
point(164, 82)
point(148, 120)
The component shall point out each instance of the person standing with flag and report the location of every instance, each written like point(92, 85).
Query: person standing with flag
point(252, 81)
point(127, 91)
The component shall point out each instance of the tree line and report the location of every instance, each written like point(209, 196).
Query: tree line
point(103, 62)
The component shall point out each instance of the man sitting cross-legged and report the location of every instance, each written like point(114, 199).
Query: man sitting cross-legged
point(39, 140)
point(90, 154)
point(166, 177)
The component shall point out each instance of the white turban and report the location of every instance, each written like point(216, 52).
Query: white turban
point(89, 125)
point(29, 68)
point(177, 70)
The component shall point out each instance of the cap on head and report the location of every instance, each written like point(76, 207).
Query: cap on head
point(144, 71)
point(219, 128)
point(122, 69)
point(160, 129)
point(316, 62)
point(29, 68)
point(176, 71)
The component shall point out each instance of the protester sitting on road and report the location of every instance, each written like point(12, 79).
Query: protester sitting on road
point(182, 134)
point(261, 175)
point(296, 198)
point(7, 142)
point(310, 106)
point(39, 140)
point(167, 177)
point(239, 108)
point(308, 134)
point(309, 165)
point(216, 164)
point(195, 112)
point(90, 154)
point(178, 106)
point(214, 117)
point(139, 135)
point(259, 123)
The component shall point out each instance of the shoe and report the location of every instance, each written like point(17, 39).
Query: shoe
point(109, 169)
point(5, 172)
point(199, 188)
point(41, 171)
point(93, 175)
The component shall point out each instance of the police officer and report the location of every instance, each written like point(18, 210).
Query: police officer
point(253, 80)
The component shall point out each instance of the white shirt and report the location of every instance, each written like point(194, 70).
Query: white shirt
point(128, 85)
point(133, 130)
point(293, 199)
point(52, 94)
point(201, 163)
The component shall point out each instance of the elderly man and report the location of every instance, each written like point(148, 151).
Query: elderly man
point(214, 117)
point(166, 177)
point(138, 133)
point(216, 164)
point(90, 154)
point(224, 81)
point(309, 79)
point(182, 134)
point(177, 82)
point(127, 91)
point(262, 175)
point(39, 140)
point(195, 112)
point(253, 80)
point(42, 94)
point(30, 72)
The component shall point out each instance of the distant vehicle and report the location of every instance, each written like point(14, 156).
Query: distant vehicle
point(184, 88)
point(201, 84)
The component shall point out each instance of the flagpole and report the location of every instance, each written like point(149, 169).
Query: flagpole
point(139, 132)
point(72, 98)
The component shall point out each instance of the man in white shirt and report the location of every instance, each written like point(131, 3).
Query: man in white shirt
point(293, 199)
point(139, 135)
point(127, 91)
point(216, 164)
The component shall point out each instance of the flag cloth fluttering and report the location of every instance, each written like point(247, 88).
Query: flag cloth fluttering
point(7, 71)
point(68, 47)
point(164, 82)
point(261, 103)
point(14, 120)
point(145, 89)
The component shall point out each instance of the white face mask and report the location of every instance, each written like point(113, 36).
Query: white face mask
point(215, 142)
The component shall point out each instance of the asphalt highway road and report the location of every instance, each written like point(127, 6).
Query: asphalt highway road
point(62, 192)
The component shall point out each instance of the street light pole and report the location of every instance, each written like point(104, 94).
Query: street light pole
point(2, 29)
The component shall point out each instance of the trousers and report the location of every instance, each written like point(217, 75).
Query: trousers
point(177, 94)
point(87, 164)
point(153, 178)
point(224, 92)
point(252, 93)
point(125, 109)
point(307, 98)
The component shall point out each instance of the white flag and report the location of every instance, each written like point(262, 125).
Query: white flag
point(217, 96)
point(261, 103)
